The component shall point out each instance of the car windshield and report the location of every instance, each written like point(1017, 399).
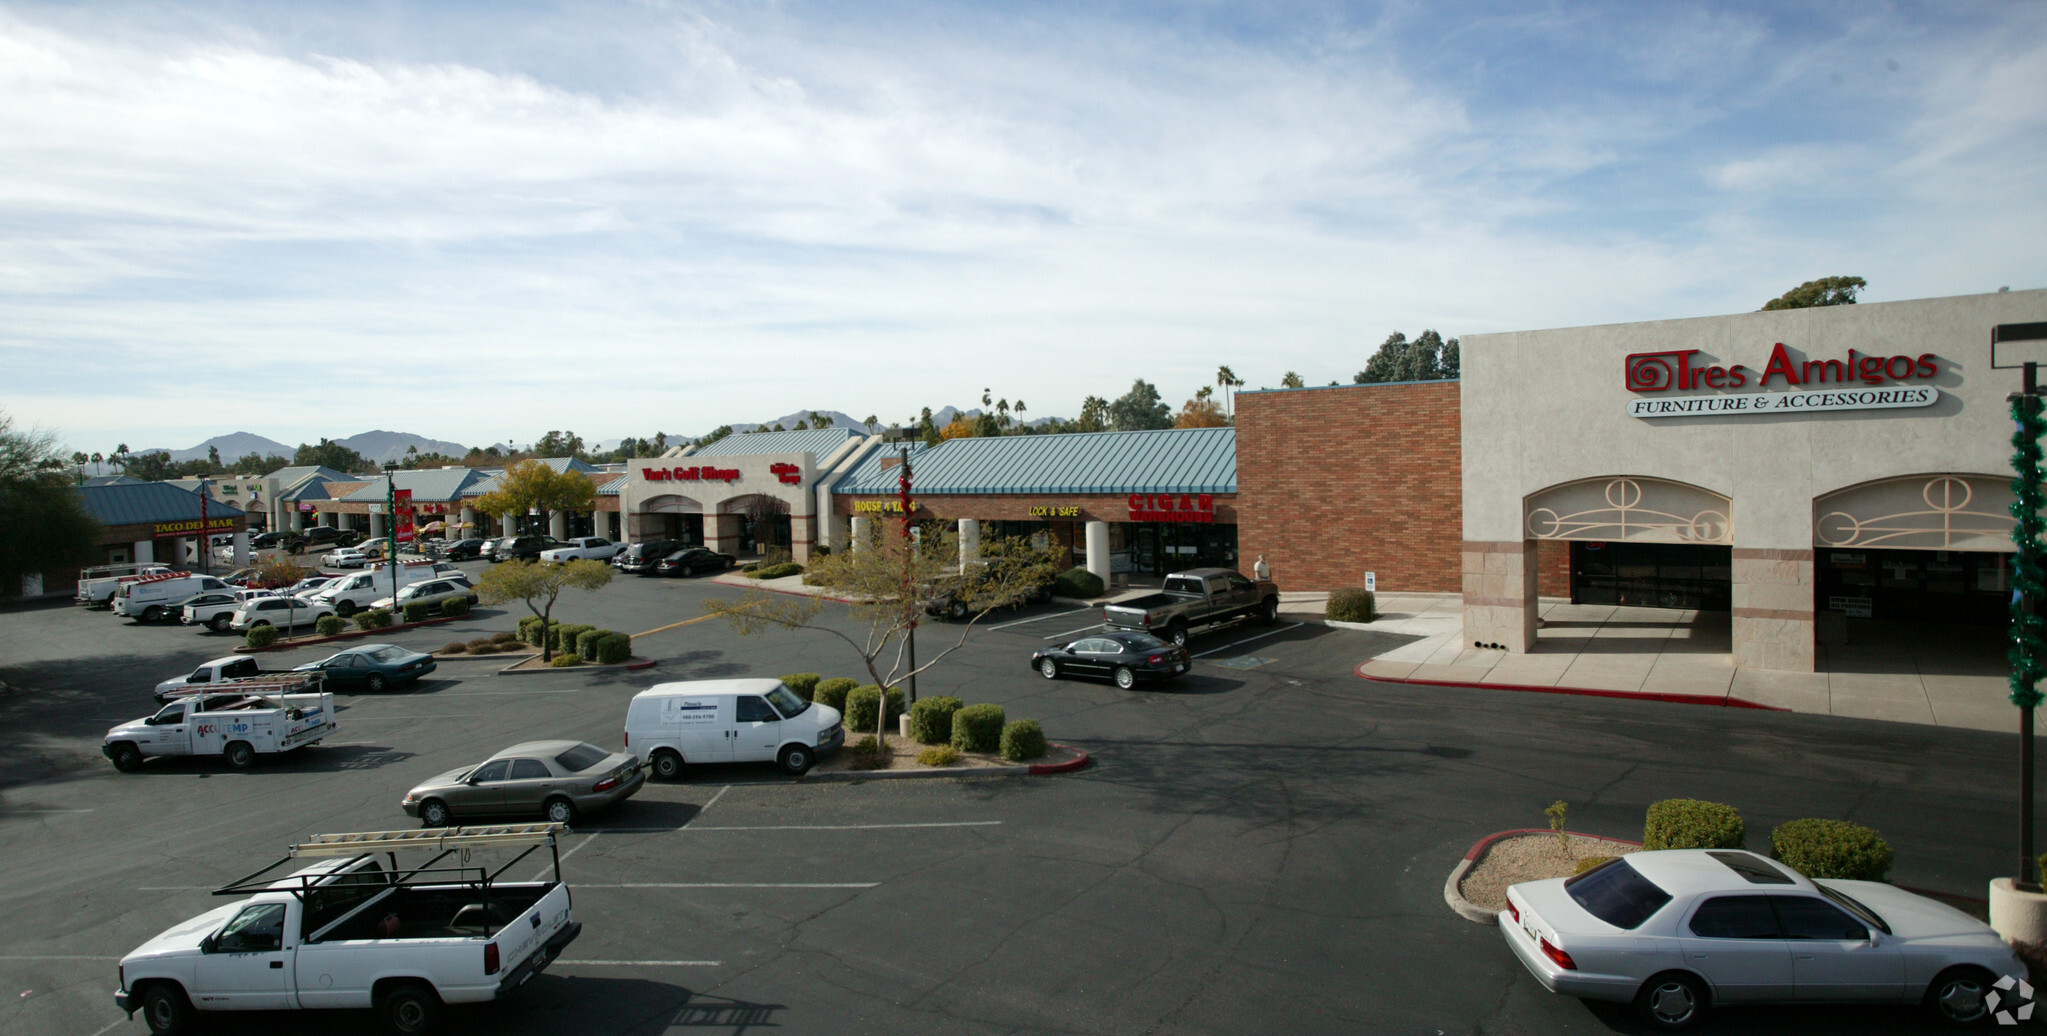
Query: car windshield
point(389, 654)
point(786, 701)
point(1853, 906)
point(1617, 894)
point(580, 758)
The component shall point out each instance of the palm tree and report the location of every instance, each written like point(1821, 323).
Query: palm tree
point(1002, 408)
point(872, 421)
point(1292, 380)
point(1225, 378)
point(99, 461)
point(120, 457)
point(1018, 408)
point(986, 399)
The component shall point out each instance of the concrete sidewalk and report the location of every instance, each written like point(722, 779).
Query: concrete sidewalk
point(1950, 676)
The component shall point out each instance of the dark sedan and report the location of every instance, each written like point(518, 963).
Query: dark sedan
point(645, 557)
point(464, 550)
point(557, 779)
point(1123, 656)
point(372, 667)
point(693, 560)
point(524, 548)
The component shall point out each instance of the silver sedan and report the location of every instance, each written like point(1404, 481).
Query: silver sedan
point(556, 779)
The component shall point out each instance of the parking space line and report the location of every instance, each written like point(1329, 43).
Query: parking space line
point(111, 1026)
point(1038, 618)
point(55, 956)
point(1068, 633)
point(714, 800)
point(542, 873)
point(646, 963)
point(28, 812)
point(679, 625)
point(1248, 640)
point(737, 885)
point(848, 827)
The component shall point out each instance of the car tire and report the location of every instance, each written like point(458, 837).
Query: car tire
point(166, 1010)
point(1048, 669)
point(1268, 611)
point(152, 614)
point(1671, 1001)
point(796, 759)
point(376, 683)
point(667, 765)
point(1176, 632)
point(435, 813)
point(560, 811)
point(239, 755)
point(218, 623)
point(409, 1009)
point(344, 608)
point(1959, 996)
point(1125, 678)
point(956, 611)
point(126, 757)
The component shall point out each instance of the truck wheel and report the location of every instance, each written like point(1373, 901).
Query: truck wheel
point(239, 755)
point(561, 811)
point(127, 758)
point(667, 765)
point(344, 608)
point(434, 813)
point(166, 1010)
point(152, 614)
point(1125, 678)
point(218, 623)
point(1269, 610)
point(796, 759)
point(409, 1009)
point(1177, 633)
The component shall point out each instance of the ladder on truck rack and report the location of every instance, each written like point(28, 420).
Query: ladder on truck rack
point(448, 840)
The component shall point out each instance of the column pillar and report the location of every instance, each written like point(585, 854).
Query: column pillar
point(376, 525)
point(1098, 550)
point(145, 552)
point(1773, 598)
point(1500, 605)
point(242, 549)
point(558, 525)
point(721, 533)
point(863, 533)
point(802, 535)
point(970, 542)
point(507, 520)
point(298, 520)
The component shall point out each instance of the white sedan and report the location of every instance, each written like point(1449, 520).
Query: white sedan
point(286, 612)
point(1676, 931)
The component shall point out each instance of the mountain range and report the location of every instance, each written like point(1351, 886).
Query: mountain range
point(376, 446)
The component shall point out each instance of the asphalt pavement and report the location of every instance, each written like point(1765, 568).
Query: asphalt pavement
point(1259, 847)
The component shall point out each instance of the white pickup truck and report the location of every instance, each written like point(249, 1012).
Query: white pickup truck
point(209, 676)
point(98, 585)
point(590, 548)
point(237, 721)
point(354, 932)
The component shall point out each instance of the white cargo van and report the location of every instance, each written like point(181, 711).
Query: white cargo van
point(728, 721)
point(153, 598)
point(353, 593)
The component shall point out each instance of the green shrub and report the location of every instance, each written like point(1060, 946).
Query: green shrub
point(614, 649)
point(329, 625)
point(455, 648)
point(1692, 824)
point(563, 635)
point(813, 579)
point(1023, 740)
point(832, 692)
point(1351, 605)
point(804, 684)
point(455, 607)
point(261, 636)
point(566, 660)
point(750, 567)
point(931, 719)
point(943, 755)
point(862, 701)
point(868, 755)
point(373, 619)
point(529, 630)
point(417, 611)
point(587, 641)
point(1077, 582)
point(789, 568)
point(1831, 849)
point(504, 638)
point(485, 648)
point(977, 728)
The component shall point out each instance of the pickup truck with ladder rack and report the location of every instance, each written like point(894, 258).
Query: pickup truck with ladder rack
point(360, 931)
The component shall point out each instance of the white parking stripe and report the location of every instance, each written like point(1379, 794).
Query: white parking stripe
point(27, 812)
point(57, 956)
point(1039, 618)
point(714, 800)
point(847, 827)
point(1248, 640)
point(1068, 633)
point(645, 963)
point(549, 868)
point(737, 885)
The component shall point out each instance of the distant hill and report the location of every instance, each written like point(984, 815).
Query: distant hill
point(233, 447)
point(380, 446)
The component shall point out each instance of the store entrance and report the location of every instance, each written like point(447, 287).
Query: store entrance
point(1652, 575)
point(1159, 548)
point(1946, 586)
point(684, 528)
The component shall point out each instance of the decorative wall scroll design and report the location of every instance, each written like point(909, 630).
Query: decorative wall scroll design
point(1920, 512)
point(670, 503)
point(1642, 510)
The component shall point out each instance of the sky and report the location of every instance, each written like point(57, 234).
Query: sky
point(483, 221)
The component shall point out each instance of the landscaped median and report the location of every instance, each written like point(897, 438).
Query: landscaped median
point(940, 736)
point(368, 623)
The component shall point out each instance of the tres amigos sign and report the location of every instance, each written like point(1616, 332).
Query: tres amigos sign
point(1861, 382)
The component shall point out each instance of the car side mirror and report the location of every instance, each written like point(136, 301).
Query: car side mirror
point(1868, 935)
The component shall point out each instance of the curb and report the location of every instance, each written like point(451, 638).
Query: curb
point(1471, 911)
point(1727, 702)
point(396, 627)
point(514, 670)
point(1019, 770)
point(1069, 766)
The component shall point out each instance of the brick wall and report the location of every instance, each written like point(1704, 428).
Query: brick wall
point(1334, 481)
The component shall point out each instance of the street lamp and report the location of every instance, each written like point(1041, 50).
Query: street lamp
point(2028, 654)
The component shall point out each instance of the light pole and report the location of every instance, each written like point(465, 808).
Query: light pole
point(391, 526)
point(205, 534)
point(2028, 654)
point(909, 592)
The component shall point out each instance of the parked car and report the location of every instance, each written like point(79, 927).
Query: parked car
point(372, 667)
point(215, 609)
point(236, 725)
point(306, 586)
point(464, 550)
point(328, 536)
point(557, 779)
point(729, 721)
point(524, 548)
point(278, 611)
point(584, 548)
point(208, 676)
point(432, 592)
point(1121, 655)
point(692, 560)
point(951, 604)
point(273, 538)
point(643, 557)
point(491, 546)
point(349, 594)
point(1193, 599)
point(357, 556)
point(1676, 931)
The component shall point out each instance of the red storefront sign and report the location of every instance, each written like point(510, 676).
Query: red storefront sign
point(705, 473)
point(1674, 369)
point(790, 474)
point(1172, 507)
point(402, 499)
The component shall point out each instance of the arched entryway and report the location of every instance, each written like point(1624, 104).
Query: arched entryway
point(1926, 548)
point(764, 522)
point(670, 516)
point(1636, 541)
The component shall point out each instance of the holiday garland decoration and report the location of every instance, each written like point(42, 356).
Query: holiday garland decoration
point(2028, 654)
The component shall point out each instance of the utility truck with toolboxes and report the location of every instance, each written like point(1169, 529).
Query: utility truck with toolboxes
point(358, 930)
point(98, 585)
point(237, 720)
point(155, 598)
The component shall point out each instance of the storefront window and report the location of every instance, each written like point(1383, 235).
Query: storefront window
point(1652, 575)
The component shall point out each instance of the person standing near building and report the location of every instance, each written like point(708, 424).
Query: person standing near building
point(1260, 570)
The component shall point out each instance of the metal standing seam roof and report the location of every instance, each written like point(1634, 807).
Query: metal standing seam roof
point(148, 503)
point(609, 483)
point(817, 441)
point(437, 484)
point(871, 474)
point(300, 472)
point(1180, 460)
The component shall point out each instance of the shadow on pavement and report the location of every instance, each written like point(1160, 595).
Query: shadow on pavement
point(1863, 1020)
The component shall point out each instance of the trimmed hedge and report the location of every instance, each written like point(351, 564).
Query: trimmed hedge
point(566, 660)
point(587, 641)
point(562, 635)
point(613, 649)
point(978, 728)
point(862, 701)
point(1351, 605)
point(261, 636)
point(1831, 849)
point(775, 571)
point(867, 754)
point(804, 684)
point(1023, 740)
point(417, 611)
point(1077, 582)
point(931, 719)
point(529, 630)
point(455, 648)
point(1692, 824)
point(943, 755)
point(832, 692)
point(455, 607)
point(373, 619)
point(504, 638)
point(329, 625)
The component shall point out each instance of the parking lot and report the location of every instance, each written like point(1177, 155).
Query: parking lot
point(1259, 847)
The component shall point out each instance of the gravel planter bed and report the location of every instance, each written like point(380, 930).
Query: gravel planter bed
point(1530, 857)
point(903, 752)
